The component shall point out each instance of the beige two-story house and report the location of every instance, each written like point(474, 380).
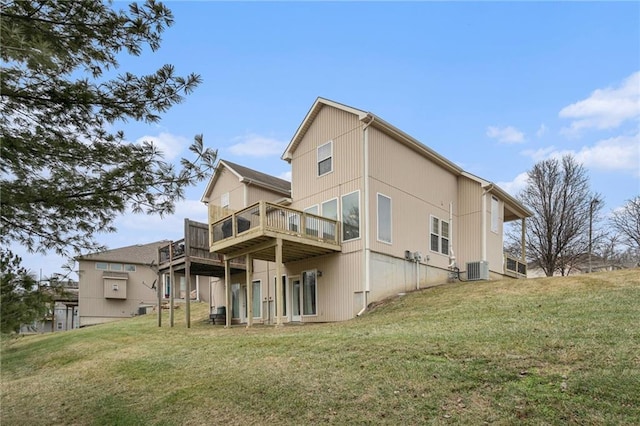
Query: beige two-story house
point(371, 212)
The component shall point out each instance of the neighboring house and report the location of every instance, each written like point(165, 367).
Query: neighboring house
point(62, 316)
point(123, 282)
point(371, 212)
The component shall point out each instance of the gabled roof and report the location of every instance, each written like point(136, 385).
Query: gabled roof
point(513, 207)
point(248, 176)
point(141, 254)
point(367, 118)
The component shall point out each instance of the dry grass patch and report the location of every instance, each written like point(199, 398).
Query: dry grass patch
point(544, 351)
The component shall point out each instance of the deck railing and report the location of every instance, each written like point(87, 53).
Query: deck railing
point(514, 267)
point(177, 248)
point(273, 217)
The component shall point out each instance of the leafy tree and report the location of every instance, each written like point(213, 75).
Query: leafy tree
point(626, 222)
point(22, 300)
point(65, 173)
point(559, 196)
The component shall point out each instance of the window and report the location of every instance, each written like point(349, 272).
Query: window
point(283, 283)
point(439, 236)
point(384, 218)
point(235, 300)
point(351, 216)
point(257, 297)
point(167, 286)
point(325, 158)
point(130, 268)
point(494, 214)
point(224, 200)
point(330, 211)
point(115, 267)
point(309, 293)
point(311, 223)
point(102, 265)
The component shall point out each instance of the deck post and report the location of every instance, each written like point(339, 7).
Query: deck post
point(159, 292)
point(249, 274)
point(227, 291)
point(187, 300)
point(523, 241)
point(263, 214)
point(171, 285)
point(279, 294)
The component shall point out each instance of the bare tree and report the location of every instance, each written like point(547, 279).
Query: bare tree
point(626, 222)
point(559, 196)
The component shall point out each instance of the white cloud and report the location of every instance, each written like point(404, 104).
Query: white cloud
point(170, 145)
point(541, 130)
point(540, 154)
point(618, 153)
point(621, 153)
point(254, 145)
point(149, 228)
point(606, 108)
point(516, 185)
point(508, 135)
point(285, 176)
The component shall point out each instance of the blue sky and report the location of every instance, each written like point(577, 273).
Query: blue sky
point(495, 87)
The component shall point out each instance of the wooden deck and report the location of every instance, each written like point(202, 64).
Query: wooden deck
point(194, 249)
point(256, 230)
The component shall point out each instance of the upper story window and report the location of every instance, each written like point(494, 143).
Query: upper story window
point(224, 200)
point(325, 158)
point(351, 216)
point(494, 214)
point(439, 237)
point(384, 218)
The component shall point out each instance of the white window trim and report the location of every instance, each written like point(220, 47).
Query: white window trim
point(337, 207)
point(319, 160)
point(359, 216)
point(390, 242)
point(438, 232)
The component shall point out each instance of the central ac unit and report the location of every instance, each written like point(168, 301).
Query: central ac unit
point(477, 271)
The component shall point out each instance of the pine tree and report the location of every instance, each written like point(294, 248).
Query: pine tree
point(64, 174)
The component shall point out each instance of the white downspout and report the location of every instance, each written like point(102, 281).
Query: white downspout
point(198, 288)
point(365, 208)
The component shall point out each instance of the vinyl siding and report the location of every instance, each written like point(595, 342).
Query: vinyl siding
point(308, 189)
point(418, 188)
point(94, 308)
point(469, 233)
point(228, 182)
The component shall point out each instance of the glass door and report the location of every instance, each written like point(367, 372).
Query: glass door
point(295, 299)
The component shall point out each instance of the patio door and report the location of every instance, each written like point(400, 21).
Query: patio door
point(296, 296)
point(286, 296)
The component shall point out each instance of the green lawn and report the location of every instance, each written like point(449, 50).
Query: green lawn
point(544, 351)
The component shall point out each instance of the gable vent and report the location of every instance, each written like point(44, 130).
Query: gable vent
point(477, 271)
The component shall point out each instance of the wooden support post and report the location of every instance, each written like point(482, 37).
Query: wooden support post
point(172, 283)
point(227, 291)
point(523, 241)
point(279, 295)
point(159, 285)
point(187, 301)
point(249, 273)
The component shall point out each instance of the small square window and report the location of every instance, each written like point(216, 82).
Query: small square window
point(130, 268)
point(115, 266)
point(102, 265)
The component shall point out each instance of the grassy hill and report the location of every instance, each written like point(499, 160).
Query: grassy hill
point(544, 351)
